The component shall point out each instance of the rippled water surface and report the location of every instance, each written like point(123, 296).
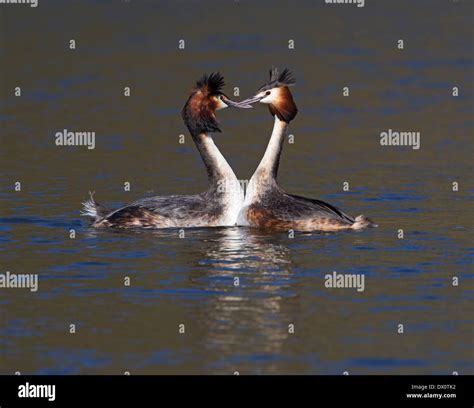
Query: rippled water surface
point(190, 280)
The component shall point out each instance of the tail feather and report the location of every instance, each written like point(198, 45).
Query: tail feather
point(361, 221)
point(91, 208)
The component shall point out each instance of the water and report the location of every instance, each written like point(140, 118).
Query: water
point(191, 280)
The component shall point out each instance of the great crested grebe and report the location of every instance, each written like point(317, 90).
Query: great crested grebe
point(266, 205)
point(219, 205)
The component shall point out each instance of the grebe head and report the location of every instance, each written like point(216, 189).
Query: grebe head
point(277, 95)
point(199, 112)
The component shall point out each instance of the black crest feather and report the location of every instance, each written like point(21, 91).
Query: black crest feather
point(277, 79)
point(211, 84)
point(286, 78)
point(199, 111)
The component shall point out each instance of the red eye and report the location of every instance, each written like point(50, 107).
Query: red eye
point(267, 93)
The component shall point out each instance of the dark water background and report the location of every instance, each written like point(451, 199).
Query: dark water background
point(191, 280)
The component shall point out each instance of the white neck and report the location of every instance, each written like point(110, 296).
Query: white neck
point(224, 182)
point(271, 159)
point(216, 164)
point(266, 172)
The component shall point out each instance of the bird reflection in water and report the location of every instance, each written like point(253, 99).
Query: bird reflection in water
point(254, 312)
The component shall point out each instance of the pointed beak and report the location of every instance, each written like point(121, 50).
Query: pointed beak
point(251, 100)
point(234, 104)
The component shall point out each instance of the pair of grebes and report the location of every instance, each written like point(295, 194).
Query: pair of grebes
point(264, 204)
